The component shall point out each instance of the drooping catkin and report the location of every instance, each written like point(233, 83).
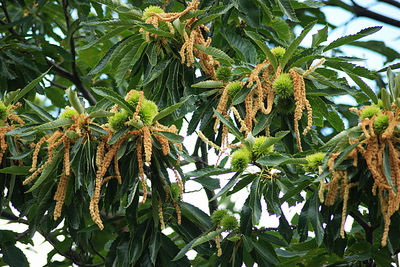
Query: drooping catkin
point(178, 212)
point(218, 245)
point(147, 144)
point(60, 195)
point(67, 167)
point(139, 105)
point(141, 170)
point(161, 215)
point(36, 153)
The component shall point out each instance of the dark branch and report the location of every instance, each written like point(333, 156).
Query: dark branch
point(360, 11)
point(365, 225)
point(11, 30)
point(391, 2)
point(76, 79)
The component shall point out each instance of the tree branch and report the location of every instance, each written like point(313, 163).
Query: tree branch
point(360, 11)
point(391, 2)
point(365, 225)
point(76, 79)
point(11, 30)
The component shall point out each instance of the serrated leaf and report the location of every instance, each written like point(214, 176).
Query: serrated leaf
point(156, 71)
point(171, 137)
point(257, 39)
point(320, 36)
point(364, 87)
point(28, 88)
point(54, 124)
point(282, 28)
point(47, 170)
point(75, 102)
point(228, 186)
point(17, 170)
point(208, 84)
point(106, 58)
point(105, 37)
point(165, 112)
point(97, 129)
point(114, 97)
point(287, 9)
point(40, 111)
point(295, 44)
point(110, 22)
point(129, 59)
point(232, 128)
point(214, 13)
point(215, 52)
point(344, 155)
point(351, 38)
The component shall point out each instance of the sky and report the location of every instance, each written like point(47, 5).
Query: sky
point(37, 255)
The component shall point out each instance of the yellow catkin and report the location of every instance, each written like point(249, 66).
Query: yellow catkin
point(139, 105)
point(243, 126)
point(100, 152)
point(218, 245)
point(67, 167)
point(178, 212)
point(36, 152)
point(3, 142)
point(147, 144)
point(160, 215)
point(164, 144)
point(60, 195)
point(205, 140)
point(116, 168)
point(221, 108)
point(141, 170)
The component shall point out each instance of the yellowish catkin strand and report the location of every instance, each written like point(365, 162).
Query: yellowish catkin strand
point(147, 143)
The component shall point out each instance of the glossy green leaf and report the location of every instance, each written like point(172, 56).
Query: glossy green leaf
point(114, 97)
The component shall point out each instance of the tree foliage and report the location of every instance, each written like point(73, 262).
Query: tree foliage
point(99, 96)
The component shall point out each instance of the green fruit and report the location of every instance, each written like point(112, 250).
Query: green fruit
point(278, 52)
point(233, 88)
point(3, 111)
point(148, 111)
point(381, 122)
point(240, 159)
point(369, 112)
point(314, 161)
point(218, 215)
point(133, 98)
point(68, 113)
point(283, 86)
point(229, 222)
point(223, 73)
point(151, 9)
point(257, 152)
point(117, 122)
point(285, 105)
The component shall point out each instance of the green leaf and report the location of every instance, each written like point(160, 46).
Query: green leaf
point(269, 141)
point(114, 97)
point(151, 29)
point(265, 253)
point(13, 256)
point(392, 83)
point(215, 52)
point(154, 245)
point(386, 168)
point(228, 122)
point(129, 59)
point(106, 58)
point(257, 39)
point(100, 114)
point(295, 44)
point(254, 202)
point(47, 170)
point(75, 102)
point(165, 112)
point(104, 38)
point(364, 87)
point(320, 36)
point(344, 155)
point(40, 111)
point(97, 129)
point(228, 186)
point(17, 170)
point(208, 182)
point(54, 124)
point(282, 28)
point(214, 13)
point(287, 9)
point(110, 22)
point(208, 84)
point(28, 88)
point(156, 72)
point(386, 99)
point(313, 215)
point(171, 137)
point(277, 159)
point(200, 240)
point(121, 7)
point(351, 38)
